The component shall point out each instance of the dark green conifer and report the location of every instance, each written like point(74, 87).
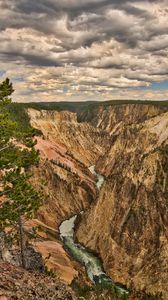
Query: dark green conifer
point(20, 199)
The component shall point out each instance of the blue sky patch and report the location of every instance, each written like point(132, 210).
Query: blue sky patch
point(160, 85)
point(2, 72)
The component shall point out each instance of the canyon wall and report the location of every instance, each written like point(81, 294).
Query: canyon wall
point(66, 148)
point(113, 118)
point(128, 224)
point(82, 141)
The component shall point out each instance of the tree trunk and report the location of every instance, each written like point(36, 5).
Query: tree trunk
point(21, 237)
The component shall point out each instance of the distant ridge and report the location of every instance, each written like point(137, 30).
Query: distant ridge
point(85, 110)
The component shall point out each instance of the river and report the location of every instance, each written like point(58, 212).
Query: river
point(92, 263)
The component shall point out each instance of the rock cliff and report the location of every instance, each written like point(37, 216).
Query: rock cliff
point(113, 118)
point(127, 226)
point(80, 140)
point(66, 148)
point(17, 283)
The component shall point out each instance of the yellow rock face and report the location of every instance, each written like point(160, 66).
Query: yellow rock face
point(128, 224)
point(80, 140)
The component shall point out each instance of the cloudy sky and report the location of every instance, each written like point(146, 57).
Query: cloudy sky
point(62, 50)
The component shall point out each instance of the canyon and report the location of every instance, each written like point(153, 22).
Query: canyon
point(125, 223)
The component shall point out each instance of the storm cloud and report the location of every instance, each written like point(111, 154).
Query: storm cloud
point(81, 49)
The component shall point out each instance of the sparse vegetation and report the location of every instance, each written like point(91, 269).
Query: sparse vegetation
point(49, 272)
point(97, 292)
point(100, 292)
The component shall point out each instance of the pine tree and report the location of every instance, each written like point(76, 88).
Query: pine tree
point(20, 200)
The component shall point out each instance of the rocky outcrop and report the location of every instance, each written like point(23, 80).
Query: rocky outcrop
point(57, 260)
point(11, 254)
point(19, 284)
point(127, 226)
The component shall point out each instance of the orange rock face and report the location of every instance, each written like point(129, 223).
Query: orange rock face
point(58, 260)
